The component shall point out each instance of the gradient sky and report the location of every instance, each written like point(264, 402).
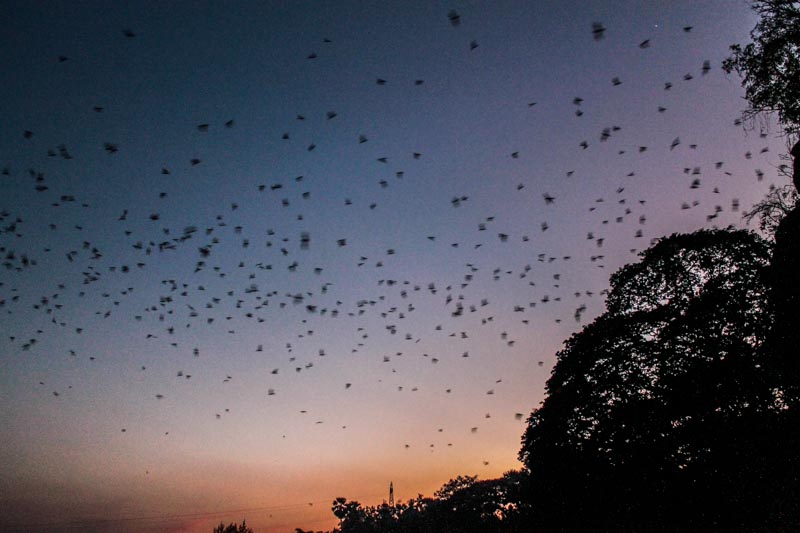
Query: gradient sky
point(378, 379)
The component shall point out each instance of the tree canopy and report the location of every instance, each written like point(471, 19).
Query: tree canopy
point(233, 528)
point(463, 504)
point(651, 409)
point(770, 65)
point(773, 208)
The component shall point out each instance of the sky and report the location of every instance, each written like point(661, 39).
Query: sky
point(259, 255)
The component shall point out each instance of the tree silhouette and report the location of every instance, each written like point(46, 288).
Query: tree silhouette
point(350, 514)
point(467, 504)
point(664, 413)
point(770, 65)
point(785, 297)
point(462, 505)
point(773, 208)
point(233, 528)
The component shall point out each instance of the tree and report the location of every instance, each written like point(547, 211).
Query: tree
point(770, 65)
point(777, 203)
point(462, 505)
point(350, 514)
point(466, 504)
point(785, 297)
point(663, 414)
point(233, 528)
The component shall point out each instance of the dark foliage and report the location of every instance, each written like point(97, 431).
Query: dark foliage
point(233, 528)
point(665, 413)
point(784, 344)
point(462, 505)
point(770, 65)
point(769, 212)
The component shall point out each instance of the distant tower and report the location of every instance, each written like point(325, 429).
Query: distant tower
point(391, 494)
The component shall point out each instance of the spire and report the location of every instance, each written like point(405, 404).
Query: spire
point(391, 494)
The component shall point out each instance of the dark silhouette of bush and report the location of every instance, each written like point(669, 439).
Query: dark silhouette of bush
point(462, 505)
point(233, 528)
